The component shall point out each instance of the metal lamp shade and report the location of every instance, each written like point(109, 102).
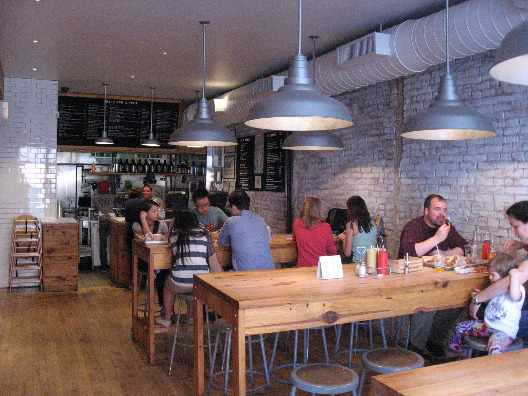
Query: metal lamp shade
point(448, 118)
point(511, 60)
point(203, 131)
point(150, 142)
point(313, 140)
point(299, 105)
point(104, 140)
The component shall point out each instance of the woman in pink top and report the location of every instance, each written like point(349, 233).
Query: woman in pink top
point(312, 235)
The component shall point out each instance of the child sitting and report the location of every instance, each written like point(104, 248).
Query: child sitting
point(502, 315)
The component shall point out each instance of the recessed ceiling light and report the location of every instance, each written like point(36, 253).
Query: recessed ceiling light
point(34, 69)
point(133, 76)
point(164, 53)
point(35, 41)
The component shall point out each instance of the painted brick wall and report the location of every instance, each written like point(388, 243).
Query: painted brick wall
point(28, 157)
point(479, 178)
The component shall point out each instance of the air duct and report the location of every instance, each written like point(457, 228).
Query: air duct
point(476, 26)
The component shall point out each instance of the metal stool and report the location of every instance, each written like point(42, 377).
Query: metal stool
point(223, 328)
point(306, 347)
point(326, 379)
point(481, 344)
point(187, 333)
point(353, 348)
point(389, 360)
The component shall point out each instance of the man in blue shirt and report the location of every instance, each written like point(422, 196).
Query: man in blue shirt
point(248, 235)
point(209, 216)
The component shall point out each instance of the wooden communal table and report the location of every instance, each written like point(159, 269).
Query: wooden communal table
point(158, 257)
point(259, 302)
point(502, 374)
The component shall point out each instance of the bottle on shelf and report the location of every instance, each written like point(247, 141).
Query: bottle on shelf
point(139, 167)
point(120, 166)
point(158, 168)
point(133, 166)
point(193, 170)
point(165, 167)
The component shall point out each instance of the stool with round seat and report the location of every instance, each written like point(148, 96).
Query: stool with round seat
point(481, 344)
point(223, 328)
point(389, 360)
point(325, 379)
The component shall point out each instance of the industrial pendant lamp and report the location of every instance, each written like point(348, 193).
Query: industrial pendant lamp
point(448, 117)
point(312, 140)
point(104, 139)
point(299, 105)
point(511, 60)
point(151, 141)
point(203, 131)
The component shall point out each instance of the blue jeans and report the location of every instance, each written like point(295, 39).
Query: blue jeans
point(523, 327)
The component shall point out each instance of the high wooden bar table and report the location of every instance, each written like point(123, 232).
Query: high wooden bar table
point(502, 374)
point(159, 257)
point(268, 301)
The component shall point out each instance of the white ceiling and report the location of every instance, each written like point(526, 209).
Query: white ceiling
point(83, 43)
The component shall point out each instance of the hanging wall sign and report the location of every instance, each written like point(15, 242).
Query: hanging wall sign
point(80, 120)
point(245, 167)
point(274, 161)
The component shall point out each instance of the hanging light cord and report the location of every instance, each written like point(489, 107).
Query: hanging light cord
point(204, 23)
point(447, 35)
point(151, 111)
point(300, 24)
point(104, 110)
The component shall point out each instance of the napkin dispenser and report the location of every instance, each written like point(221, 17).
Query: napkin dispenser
point(398, 266)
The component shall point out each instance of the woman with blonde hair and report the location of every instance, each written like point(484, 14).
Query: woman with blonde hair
point(313, 236)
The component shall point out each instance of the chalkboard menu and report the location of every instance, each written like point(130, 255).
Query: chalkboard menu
point(274, 161)
point(80, 121)
point(245, 168)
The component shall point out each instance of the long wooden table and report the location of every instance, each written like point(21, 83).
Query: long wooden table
point(259, 302)
point(504, 374)
point(144, 329)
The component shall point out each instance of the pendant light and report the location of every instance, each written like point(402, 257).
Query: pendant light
point(104, 139)
point(203, 131)
point(299, 105)
point(511, 60)
point(312, 140)
point(448, 117)
point(151, 141)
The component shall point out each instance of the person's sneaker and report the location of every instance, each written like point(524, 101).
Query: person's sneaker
point(165, 323)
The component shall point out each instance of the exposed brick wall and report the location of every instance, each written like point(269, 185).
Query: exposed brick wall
point(28, 159)
point(479, 178)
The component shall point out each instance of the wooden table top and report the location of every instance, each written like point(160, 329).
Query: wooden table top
point(272, 297)
point(504, 374)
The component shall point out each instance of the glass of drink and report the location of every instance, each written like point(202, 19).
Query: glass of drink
point(438, 263)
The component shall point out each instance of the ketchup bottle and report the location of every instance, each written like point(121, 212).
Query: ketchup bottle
point(383, 262)
point(486, 248)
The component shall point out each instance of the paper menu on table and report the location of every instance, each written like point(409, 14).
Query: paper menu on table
point(329, 267)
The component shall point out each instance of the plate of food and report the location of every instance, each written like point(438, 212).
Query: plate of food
point(450, 262)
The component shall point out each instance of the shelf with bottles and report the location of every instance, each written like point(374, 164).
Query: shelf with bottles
point(144, 174)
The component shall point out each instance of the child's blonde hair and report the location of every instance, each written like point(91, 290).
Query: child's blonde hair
point(502, 263)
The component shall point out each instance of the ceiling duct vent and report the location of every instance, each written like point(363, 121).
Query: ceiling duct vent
point(268, 84)
point(364, 50)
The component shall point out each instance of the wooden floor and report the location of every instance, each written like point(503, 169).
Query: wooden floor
point(79, 343)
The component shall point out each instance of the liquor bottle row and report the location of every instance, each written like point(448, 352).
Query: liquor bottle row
point(157, 166)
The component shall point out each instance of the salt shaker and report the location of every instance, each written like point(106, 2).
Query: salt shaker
point(406, 263)
point(361, 269)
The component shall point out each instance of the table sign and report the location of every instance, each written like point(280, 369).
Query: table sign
point(330, 267)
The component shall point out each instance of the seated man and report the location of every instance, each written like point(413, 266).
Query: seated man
point(211, 217)
point(248, 235)
point(421, 237)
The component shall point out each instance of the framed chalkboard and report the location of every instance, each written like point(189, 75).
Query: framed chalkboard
point(245, 166)
point(274, 161)
point(80, 120)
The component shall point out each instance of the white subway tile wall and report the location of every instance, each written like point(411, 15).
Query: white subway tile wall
point(28, 158)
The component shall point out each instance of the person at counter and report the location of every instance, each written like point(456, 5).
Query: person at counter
point(149, 225)
point(157, 191)
point(149, 196)
point(312, 235)
point(103, 202)
point(193, 253)
point(248, 235)
point(420, 237)
point(360, 232)
point(211, 217)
